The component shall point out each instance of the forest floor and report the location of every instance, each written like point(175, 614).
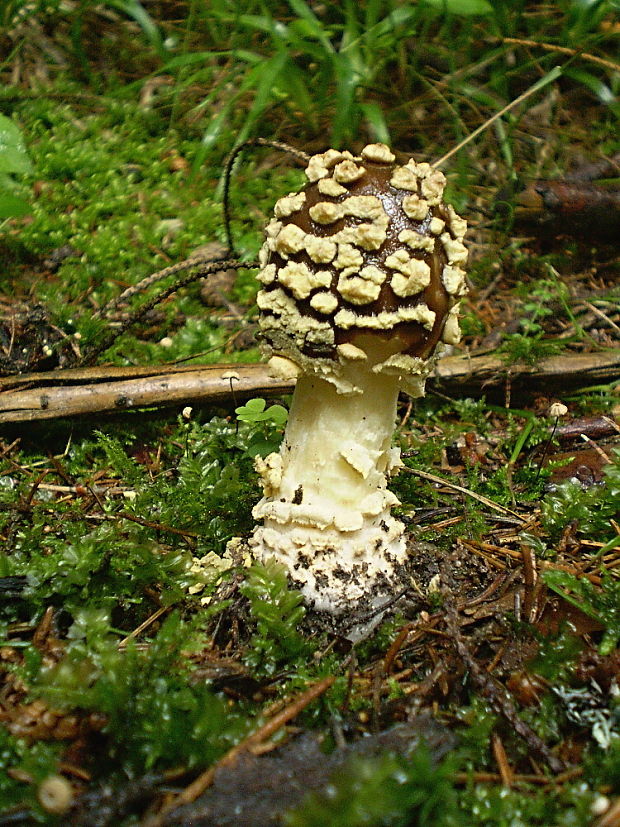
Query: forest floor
point(146, 679)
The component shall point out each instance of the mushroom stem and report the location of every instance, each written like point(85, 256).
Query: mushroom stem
point(326, 508)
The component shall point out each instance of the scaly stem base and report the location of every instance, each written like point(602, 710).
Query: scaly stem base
point(326, 509)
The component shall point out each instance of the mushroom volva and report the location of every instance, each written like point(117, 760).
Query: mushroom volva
point(361, 277)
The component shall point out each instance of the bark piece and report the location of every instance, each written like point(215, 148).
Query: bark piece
point(83, 391)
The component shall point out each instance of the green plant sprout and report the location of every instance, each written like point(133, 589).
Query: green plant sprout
point(267, 425)
point(255, 410)
point(530, 344)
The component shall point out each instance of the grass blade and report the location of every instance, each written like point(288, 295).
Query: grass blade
point(550, 77)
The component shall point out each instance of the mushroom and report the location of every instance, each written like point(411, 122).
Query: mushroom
point(361, 276)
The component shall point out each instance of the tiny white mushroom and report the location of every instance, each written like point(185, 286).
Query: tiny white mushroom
point(55, 794)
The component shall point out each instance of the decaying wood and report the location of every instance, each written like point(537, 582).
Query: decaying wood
point(571, 207)
point(82, 391)
point(481, 373)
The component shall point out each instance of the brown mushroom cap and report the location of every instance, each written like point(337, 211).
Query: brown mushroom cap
point(367, 248)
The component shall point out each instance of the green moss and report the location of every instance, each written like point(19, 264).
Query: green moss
point(602, 604)
point(500, 807)
point(589, 508)
point(602, 767)
point(277, 611)
point(155, 715)
point(19, 758)
point(386, 790)
point(556, 654)
point(206, 486)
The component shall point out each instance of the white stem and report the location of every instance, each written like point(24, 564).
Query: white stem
point(326, 508)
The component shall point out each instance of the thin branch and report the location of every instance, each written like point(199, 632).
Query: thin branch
point(230, 161)
point(105, 388)
point(441, 481)
point(563, 50)
point(144, 625)
point(204, 270)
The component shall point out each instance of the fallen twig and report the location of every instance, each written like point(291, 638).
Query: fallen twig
point(553, 47)
point(118, 389)
point(100, 389)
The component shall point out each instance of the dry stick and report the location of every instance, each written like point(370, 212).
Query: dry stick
point(34, 489)
point(498, 699)
point(395, 648)
point(542, 780)
point(128, 389)
point(602, 315)
point(80, 391)
point(289, 150)
point(530, 576)
point(7, 450)
point(205, 270)
point(554, 74)
point(268, 729)
point(501, 759)
point(551, 47)
point(150, 524)
point(80, 490)
point(144, 625)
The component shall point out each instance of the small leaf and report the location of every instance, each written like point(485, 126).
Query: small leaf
point(314, 26)
point(599, 89)
point(462, 8)
point(376, 120)
point(134, 10)
point(13, 154)
point(11, 206)
point(257, 404)
point(277, 414)
point(261, 447)
point(251, 411)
